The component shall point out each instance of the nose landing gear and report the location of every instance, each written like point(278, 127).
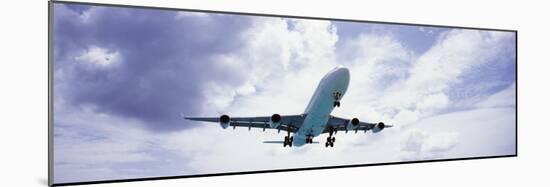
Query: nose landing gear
point(336, 96)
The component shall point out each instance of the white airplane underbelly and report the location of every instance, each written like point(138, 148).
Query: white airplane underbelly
point(317, 118)
point(320, 107)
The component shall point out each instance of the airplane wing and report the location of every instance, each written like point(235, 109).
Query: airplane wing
point(341, 124)
point(289, 123)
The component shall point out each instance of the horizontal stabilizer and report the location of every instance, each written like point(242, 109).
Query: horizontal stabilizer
point(276, 142)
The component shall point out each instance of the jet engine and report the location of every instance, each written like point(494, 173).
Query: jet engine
point(275, 121)
point(378, 127)
point(224, 121)
point(352, 123)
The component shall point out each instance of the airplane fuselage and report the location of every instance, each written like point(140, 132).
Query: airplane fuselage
point(331, 89)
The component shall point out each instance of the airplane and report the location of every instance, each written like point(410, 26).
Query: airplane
point(315, 120)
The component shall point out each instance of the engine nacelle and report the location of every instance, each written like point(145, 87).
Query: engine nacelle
point(275, 121)
point(224, 121)
point(378, 127)
point(352, 124)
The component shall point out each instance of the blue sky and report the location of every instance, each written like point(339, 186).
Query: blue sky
point(123, 76)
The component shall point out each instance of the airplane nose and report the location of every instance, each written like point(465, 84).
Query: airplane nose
point(342, 71)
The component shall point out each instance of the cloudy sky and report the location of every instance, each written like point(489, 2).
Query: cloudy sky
point(123, 76)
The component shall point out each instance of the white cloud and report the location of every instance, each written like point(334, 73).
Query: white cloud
point(433, 102)
point(86, 16)
point(424, 91)
point(504, 98)
point(272, 60)
point(427, 30)
point(376, 62)
point(481, 132)
point(183, 14)
point(418, 145)
point(88, 144)
point(99, 56)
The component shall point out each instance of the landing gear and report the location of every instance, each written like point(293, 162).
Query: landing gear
point(330, 142)
point(336, 96)
point(309, 139)
point(330, 139)
point(288, 140)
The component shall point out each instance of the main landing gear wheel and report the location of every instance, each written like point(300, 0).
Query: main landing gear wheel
point(336, 103)
point(288, 141)
point(330, 141)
